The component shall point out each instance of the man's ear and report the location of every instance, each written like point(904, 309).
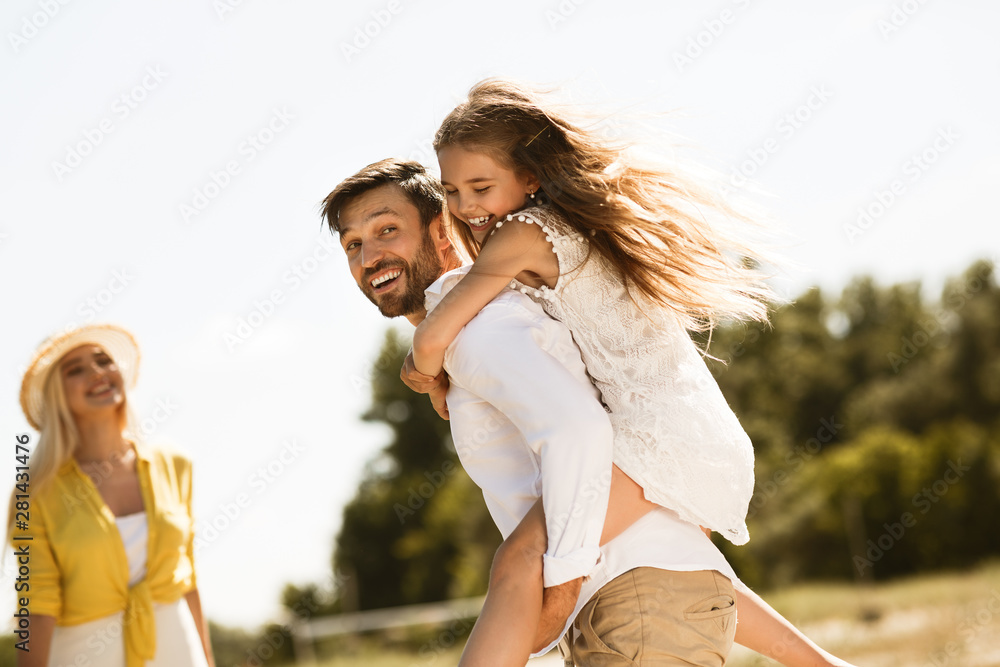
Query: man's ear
point(438, 232)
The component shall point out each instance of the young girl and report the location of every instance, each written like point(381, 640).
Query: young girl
point(625, 257)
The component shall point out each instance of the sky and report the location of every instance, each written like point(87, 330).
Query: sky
point(161, 166)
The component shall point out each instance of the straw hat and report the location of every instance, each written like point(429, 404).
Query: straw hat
point(116, 341)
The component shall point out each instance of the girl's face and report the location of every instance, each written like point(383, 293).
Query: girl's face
point(91, 381)
point(479, 190)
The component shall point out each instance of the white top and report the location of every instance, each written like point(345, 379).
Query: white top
point(526, 418)
point(675, 434)
point(135, 534)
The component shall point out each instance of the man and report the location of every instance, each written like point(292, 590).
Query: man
point(525, 418)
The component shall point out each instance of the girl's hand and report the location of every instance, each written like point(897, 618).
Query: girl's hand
point(417, 381)
point(435, 387)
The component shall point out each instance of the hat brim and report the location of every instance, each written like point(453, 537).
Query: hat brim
point(116, 341)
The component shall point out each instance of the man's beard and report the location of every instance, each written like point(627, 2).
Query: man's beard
point(425, 268)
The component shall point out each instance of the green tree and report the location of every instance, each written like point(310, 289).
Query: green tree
point(855, 404)
point(909, 387)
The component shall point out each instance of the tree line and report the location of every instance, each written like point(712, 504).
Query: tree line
point(875, 419)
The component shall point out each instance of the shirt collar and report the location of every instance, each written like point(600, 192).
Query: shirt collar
point(443, 285)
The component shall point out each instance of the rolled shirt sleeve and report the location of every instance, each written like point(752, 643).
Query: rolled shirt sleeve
point(522, 363)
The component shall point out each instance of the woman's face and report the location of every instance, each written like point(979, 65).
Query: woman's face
point(91, 381)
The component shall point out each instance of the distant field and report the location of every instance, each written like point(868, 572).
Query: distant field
point(928, 621)
point(938, 620)
point(942, 620)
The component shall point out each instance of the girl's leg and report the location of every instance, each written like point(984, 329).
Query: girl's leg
point(762, 629)
point(626, 505)
point(505, 631)
point(513, 622)
point(508, 627)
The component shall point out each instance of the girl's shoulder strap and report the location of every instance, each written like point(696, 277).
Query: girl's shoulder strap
point(549, 220)
point(566, 244)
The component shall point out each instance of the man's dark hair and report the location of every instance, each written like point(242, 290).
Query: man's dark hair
point(423, 190)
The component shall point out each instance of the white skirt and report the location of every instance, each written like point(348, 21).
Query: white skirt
point(102, 641)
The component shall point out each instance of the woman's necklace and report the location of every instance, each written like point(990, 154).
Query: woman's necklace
point(99, 470)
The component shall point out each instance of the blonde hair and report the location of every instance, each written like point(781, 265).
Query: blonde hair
point(666, 232)
point(58, 438)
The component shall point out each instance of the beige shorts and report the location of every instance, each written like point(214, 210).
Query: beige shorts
point(649, 616)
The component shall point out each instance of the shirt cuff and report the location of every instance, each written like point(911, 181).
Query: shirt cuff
point(44, 607)
point(579, 563)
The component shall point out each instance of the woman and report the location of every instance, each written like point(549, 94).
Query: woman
point(109, 518)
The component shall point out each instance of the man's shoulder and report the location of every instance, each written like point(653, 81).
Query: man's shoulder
point(511, 301)
point(504, 326)
point(508, 309)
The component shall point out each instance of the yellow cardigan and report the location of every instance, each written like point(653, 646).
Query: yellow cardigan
point(78, 566)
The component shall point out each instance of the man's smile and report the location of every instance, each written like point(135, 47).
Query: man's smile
point(384, 280)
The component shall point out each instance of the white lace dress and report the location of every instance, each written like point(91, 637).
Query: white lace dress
point(675, 435)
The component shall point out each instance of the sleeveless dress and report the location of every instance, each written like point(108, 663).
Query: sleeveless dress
point(675, 434)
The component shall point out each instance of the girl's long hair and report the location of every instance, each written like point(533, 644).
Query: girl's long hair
point(57, 440)
point(667, 232)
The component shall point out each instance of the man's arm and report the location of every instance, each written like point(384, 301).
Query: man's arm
point(557, 604)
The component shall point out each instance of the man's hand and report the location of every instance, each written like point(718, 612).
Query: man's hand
point(557, 605)
point(436, 387)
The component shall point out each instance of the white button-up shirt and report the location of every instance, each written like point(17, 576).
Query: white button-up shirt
point(528, 423)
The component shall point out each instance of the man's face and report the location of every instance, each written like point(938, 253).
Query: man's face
point(393, 257)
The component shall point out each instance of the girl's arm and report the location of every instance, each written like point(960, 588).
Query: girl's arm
point(767, 632)
point(512, 249)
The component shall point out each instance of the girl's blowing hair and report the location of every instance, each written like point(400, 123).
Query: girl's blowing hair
point(663, 231)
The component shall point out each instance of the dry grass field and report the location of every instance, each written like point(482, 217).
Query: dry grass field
point(929, 621)
point(936, 620)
